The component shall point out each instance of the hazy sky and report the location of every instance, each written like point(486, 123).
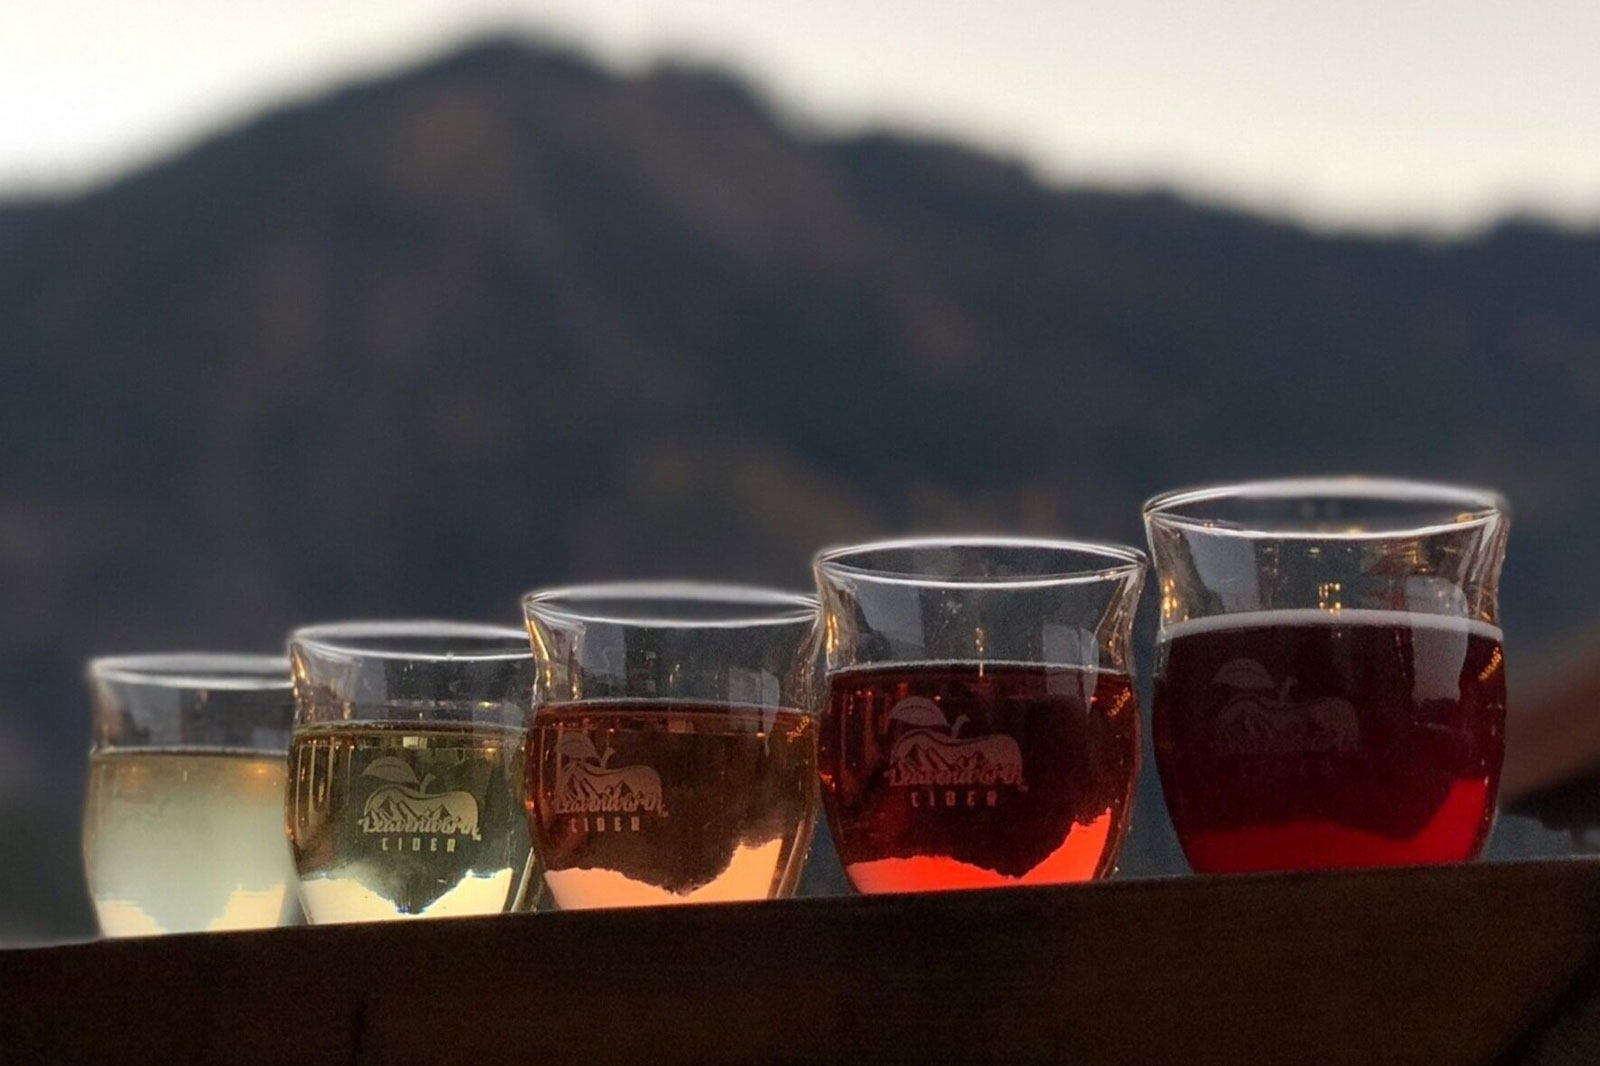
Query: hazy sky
point(1365, 112)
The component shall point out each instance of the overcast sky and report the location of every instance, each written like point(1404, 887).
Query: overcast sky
point(1361, 112)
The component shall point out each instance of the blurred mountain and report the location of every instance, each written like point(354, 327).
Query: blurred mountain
point(510, 319)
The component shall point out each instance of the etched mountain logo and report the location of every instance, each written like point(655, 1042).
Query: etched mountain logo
point(586, 783)
point(1260, 718)
point(934, 752)
point(402, 804)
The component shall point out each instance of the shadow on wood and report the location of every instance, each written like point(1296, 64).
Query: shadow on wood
point(1441, 965)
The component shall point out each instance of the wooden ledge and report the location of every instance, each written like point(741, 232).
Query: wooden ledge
point(1443, 965)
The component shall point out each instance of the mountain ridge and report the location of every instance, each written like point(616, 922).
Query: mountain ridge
point(511, 52)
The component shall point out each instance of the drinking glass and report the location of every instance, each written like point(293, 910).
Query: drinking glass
point(673, 753)
point(982, 727)
point(183, 828)
point(406, 770)
point(1329, 686)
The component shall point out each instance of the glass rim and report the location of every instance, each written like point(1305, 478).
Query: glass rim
point(364, 638)
point(1127, 560)
point(210, 670)
point(1478, 506)
point(660, 604)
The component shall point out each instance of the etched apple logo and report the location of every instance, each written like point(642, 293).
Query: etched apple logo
point(405, 805)
point(1261, 718)
point(933, 751)
point(585, 780)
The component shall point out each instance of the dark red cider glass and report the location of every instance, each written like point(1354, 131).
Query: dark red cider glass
point(1304, 739)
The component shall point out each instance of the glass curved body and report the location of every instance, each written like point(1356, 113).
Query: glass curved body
point(672, 757)
point(406, 770)
point(981, 727)
point(183, 826)
point(1329, 684)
